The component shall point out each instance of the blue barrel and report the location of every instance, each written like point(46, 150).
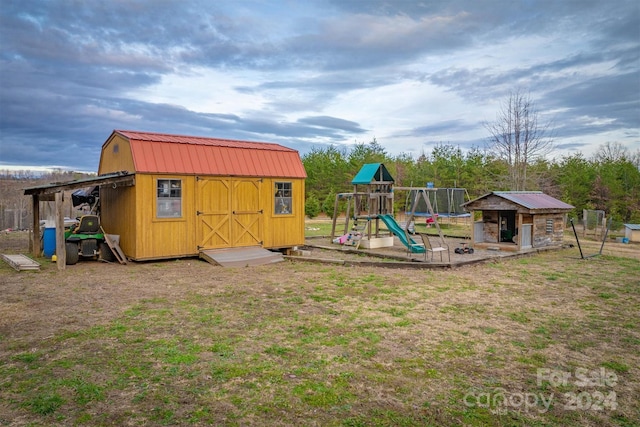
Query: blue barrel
point(625, 240)
point(49, 241)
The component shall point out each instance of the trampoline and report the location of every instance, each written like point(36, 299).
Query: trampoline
point(446, 203)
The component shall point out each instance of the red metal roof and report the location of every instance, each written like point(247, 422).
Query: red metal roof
point(162, 153)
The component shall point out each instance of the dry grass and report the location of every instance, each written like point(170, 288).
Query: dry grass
point(186, 343)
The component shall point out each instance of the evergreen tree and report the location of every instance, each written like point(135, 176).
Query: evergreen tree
point(312, 206)
point(328, 204)
point(609, 181)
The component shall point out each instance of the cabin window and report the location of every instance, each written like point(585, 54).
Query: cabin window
point(169, 200)
point(283, 198)
point(549, 226)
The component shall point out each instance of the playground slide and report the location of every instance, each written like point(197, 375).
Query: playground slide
point(395, 228)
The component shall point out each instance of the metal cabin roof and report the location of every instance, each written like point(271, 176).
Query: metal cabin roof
point(632, 226)
point(528, 199)
point(179, 154)
point(115, 178)
point(369, 173)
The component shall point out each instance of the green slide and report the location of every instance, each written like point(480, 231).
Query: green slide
point(395, 228)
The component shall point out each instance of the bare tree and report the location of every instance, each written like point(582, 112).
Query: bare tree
point(517, 137)
point(611, 152)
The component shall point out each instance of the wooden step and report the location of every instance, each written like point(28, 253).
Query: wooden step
point(241, 257)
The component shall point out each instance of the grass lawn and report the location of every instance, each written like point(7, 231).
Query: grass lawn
point(322, 227)
point(547, 340)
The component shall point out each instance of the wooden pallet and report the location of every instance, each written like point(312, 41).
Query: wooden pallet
point(112, 241)
point(21, 262)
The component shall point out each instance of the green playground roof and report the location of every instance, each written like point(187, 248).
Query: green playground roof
point(372, 172)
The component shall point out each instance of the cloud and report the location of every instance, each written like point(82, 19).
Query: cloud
point(332, 123)
point(448, 126)
point(610, 102)
point(311, 73)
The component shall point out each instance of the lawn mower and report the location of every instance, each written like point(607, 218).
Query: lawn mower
point(87, 238)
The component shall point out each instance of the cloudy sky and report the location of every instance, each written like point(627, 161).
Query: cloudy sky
point(307, 73)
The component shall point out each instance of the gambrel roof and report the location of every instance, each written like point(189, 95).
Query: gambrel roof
point(179, 154)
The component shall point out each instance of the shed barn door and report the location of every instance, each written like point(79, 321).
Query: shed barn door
point(213, 209)
point(246, 213)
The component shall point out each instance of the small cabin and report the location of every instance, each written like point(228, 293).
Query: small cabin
point(517, 220)
point(194, 193)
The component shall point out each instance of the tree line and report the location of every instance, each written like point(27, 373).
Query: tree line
point(609, 180)
point(15, 207)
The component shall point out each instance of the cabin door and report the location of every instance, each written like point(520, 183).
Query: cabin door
point(213, 210)
point(246, 213)
point(507, 226)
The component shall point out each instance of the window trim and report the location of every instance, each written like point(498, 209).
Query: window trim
point(168, 199)
point(277, 198)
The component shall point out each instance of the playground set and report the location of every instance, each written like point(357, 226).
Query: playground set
point(371, 206)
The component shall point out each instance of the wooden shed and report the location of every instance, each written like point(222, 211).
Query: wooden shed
point(193, 193)
point(517, 220)
point(632, 232)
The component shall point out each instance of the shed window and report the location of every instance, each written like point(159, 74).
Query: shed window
point(549, 226)
point(169, 201)
point(283, 198)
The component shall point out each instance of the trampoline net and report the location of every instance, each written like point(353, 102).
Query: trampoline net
point(446, 202)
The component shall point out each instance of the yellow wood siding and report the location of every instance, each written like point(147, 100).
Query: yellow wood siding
point(282, 231)
point(164, 237)
point(131, 213)
point(233, 212)
point(116, 156)
point(118, 213)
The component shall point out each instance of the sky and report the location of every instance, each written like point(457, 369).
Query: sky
point(312, 73)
